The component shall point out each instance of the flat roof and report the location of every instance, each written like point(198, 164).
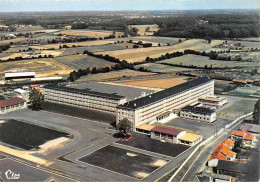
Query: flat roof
point(215, 99)
point(12, 101)
point(190, 137)
point(83, 91)
point(130, 93)
point(145, 127)
point(167, 130)
point(141, 102)
point(19, 74)
point(201, 110)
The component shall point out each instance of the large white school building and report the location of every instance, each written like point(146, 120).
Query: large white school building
point(164, 103)
point(84, 98)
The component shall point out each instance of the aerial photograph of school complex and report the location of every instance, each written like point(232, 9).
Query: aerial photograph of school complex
point(130, 91)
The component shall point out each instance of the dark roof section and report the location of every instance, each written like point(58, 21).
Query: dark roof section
point(200, 110)
point(231, 166)
point(135, 104)
point(167, 130)
point(83, 91)
point(13, 101)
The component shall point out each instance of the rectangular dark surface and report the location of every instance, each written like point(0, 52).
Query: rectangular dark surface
point(25, 135)
point(117, 160)
point(146, 143)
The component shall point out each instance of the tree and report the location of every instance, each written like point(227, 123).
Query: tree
point(256, 113)
point(124, 127)
point(36, 98)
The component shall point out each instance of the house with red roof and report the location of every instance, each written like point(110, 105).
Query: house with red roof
point(12, 104)
point(229, 143)
point(166, 134)
point(244, 135)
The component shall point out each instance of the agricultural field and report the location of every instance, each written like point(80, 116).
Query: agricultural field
point(242, 56)
point(43, 67)
point(247, 44)
point(102, 48)
point(162, 83)
point(161, 68)
point(237, 109)
point(88, 43)
point(246, 91)
point(88, 33)
point(83, 61)
point(7, 56)
point(140, 54)
point(201, 61)
point(15, 40)
point(142, 29)
point(16, 49)
point(161, 40)
point(112, 75)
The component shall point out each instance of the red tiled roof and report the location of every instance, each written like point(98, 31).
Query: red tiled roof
point(167, 130)
point(12, 101)
point(228, 142)
point(222, 149)
point(219, 156)
point(245, 131)
point(248, 137)
point(238, 133)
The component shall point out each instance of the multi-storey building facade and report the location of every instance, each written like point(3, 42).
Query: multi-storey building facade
point(84, 98)
point(148, 108)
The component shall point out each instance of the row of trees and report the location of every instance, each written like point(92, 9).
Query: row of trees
point(4, 47)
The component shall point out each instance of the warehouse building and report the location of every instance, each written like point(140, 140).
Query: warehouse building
point(212, 101)
point(146, 110)
point(198, 113)
point(12, 104)
point(85, 98)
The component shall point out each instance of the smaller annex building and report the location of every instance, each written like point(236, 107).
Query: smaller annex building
point(19, 75)
point(212, 101)
point(198, 113)
point(167, 134)
point(12, 104)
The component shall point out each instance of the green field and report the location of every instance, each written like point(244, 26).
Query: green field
point(245, 91)
point(201, 61)
point(162, 40)
point(237, 109)
point(161, 68)
point(83, 61)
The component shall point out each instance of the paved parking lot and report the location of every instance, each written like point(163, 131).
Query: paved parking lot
point(205, 129)
point(123, 161)
point(146, 143)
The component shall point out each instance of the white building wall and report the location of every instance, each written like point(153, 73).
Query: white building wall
point(148, 113)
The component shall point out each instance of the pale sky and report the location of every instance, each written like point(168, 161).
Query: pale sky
point(114, 5)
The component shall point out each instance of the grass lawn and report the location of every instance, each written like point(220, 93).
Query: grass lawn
point(237, 109)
